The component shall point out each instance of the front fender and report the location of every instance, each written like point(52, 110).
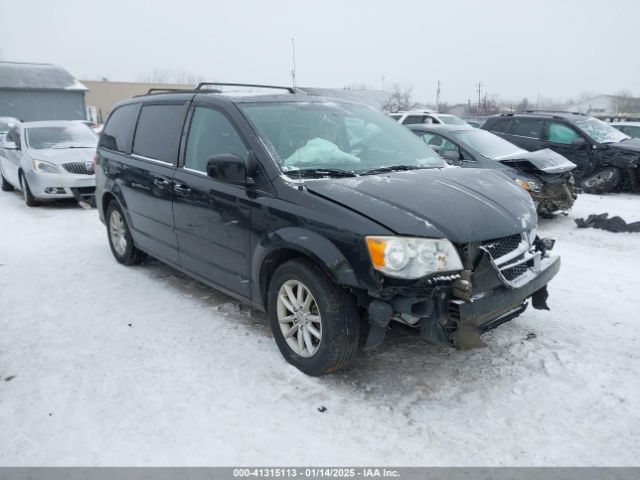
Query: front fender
point(310, 244)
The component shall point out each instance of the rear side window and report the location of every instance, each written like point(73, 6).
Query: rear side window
point(118, 132)
point(158, 132)
point(500, 126)
point(525, 127)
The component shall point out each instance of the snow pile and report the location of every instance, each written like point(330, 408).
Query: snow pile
point(118, 366)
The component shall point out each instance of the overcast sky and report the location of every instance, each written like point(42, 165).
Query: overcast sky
point(552, 48)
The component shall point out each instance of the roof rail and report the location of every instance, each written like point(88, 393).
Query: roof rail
point(220, 84)
point(555, 111)
point(151, 91)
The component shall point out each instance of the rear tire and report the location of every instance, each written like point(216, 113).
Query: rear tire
point(332, 313)
point(119, 236)
point(29, 199)
point(602, 181)
point(6, 186)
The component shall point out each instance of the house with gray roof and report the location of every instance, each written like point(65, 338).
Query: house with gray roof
point(40, 91)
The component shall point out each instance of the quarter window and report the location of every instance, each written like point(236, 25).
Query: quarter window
point(211, 133)
point(560, 133)
point(413, 119)
point(158, 132)
point(118, 132)
point(525, 127)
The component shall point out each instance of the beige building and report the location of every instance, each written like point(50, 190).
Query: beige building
point(102, 96)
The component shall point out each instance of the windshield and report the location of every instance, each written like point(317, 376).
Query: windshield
point(451, 120)
point(487, 144)
point(601, 132)
point(337, 136)
point(68, 136)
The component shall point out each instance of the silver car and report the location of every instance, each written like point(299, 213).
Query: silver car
point(49, 160)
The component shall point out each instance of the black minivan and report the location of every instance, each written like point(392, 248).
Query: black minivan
point(327, 215)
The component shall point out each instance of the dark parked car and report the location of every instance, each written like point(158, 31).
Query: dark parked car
point(606, 159)
point(328, 215)
point(628, 128)
point(545, 174)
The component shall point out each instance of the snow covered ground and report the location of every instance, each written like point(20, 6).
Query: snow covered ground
point(107, 365)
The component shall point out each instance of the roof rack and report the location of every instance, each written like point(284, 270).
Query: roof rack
point(251, 85)
point(151, 91)
point(199, 88)
point(554, 111)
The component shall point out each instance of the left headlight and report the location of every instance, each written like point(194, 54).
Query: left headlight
point(411, 258)
point(45, 167)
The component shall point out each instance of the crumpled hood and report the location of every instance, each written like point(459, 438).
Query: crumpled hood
point(545, 160)
point(463, 205)
point(63, 155)
point(632, 145)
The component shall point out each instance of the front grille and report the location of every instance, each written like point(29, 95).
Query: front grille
point(502, 246)
point(514, 272)
point(79, 168)
point(85, 190)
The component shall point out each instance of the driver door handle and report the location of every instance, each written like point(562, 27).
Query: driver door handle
point(160, 182)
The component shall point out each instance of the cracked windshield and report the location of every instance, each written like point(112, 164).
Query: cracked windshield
point(325, 138)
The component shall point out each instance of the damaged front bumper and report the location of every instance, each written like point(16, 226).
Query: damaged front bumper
point(451, 304)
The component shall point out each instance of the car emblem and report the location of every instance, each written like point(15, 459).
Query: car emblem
point(88, 166)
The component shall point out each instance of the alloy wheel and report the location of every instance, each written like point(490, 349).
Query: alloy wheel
point(117, 232)
point(299, 318)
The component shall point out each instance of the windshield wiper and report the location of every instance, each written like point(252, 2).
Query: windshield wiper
point(391, 168)
point(320, 172)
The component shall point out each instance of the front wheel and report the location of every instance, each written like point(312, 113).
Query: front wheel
point(603, 181)
point(120, 239)
point(314, 321)
point(29, 199)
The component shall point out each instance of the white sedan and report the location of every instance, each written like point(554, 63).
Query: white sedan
point(49, 160)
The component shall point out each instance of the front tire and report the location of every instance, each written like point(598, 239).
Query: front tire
point(29, 199)
point(603, 181)
point(120, 239)
point(315, 322)
point(6, 186)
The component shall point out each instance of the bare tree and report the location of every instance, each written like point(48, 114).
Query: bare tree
point(171, 75)
point(522, 105)
point(400, 99)
point(358, 86)
point(626, 102)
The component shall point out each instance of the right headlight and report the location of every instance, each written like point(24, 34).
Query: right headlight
point(45, 167)
point(411, 258)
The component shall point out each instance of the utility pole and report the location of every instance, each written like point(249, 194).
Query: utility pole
point(479, 98)
point(293, 63)
point(438, 97)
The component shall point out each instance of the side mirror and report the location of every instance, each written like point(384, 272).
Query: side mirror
point(578, 142)
point(451, 156)
point(228, 168)
point(9, 145)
